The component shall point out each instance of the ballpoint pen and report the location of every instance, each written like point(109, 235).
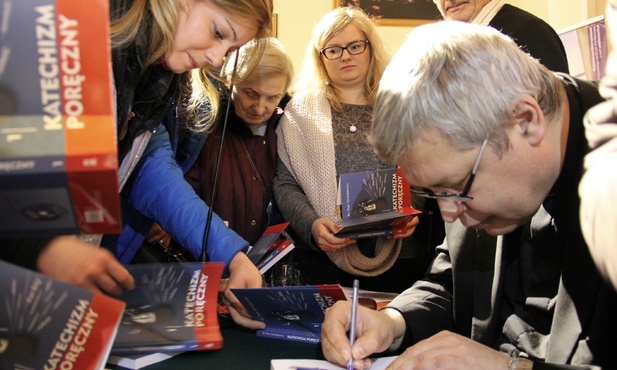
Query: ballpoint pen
point(352, 325)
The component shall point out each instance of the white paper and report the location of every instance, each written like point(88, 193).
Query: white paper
point(378, 364)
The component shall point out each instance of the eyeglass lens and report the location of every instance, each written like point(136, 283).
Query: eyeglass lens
point(460, 197)
point(354, 48)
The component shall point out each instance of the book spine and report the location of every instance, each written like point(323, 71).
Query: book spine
point(403, 190)
point(88, 115)
point(294, 337)
point(368, 234)
point(598, 49)
point(207, 329)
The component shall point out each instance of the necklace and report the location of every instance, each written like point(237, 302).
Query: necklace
point(359, 115)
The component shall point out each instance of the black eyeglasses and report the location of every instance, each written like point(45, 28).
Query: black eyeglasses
point(459, 197)
point(353, 48)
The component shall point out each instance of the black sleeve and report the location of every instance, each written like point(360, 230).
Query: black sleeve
point(547, 366)
point(22, 251)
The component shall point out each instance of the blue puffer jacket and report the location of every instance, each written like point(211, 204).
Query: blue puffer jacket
point(157, 191)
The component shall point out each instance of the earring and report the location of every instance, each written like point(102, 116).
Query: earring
point(327, 82)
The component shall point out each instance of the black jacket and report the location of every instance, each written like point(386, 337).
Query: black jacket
point(533, 35)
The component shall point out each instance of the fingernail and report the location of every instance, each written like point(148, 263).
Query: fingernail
point(358, 352)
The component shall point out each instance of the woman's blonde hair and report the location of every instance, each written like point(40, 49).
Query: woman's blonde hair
point(313, 76)
point(274, 61)
point(161, 17)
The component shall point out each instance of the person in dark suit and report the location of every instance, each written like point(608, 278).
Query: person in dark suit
point(532, 34)
point(499, 141)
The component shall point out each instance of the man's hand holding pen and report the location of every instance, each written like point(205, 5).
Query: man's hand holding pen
point(373, 333)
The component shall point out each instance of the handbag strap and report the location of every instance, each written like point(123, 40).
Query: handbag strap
point(248, 155)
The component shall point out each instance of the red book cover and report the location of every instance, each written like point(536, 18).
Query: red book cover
point(280, 248)
point(270, 247)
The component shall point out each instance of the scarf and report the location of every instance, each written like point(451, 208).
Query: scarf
point(306, 147)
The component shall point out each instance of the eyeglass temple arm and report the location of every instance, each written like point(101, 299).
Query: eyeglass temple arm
point(475, 167)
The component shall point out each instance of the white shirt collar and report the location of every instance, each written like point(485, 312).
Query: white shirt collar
point(488, 12)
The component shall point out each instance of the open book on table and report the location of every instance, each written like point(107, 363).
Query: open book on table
point(48, 324)
point(292, 313)
point(374, 203)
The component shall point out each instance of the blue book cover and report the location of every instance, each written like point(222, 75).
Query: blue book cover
point(293, 313)
point(48, 324)
point(374, 204)
point(172, 308)
point(58, 163)
point(373, 192)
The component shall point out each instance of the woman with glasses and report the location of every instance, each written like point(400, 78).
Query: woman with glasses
point(324, 134)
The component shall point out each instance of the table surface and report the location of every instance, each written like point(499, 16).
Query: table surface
point(242, 349)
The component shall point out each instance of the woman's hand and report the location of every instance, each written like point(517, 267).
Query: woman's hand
point(323, 231)
point(157, 234)
point(411, 227)
point(242, 274)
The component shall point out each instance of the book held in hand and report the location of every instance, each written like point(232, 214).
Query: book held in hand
point(48, 324)
point(270, 247)
point(374, 203)
point(173, 308)
point(293, 313)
